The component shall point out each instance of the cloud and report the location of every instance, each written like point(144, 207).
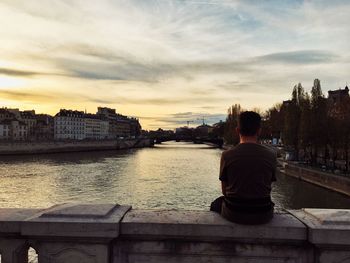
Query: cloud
point(26, 96)
point(180, 119)
point(305, 57)
point(171, 55)
point(17, 73)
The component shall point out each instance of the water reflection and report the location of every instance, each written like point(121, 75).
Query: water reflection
point(172, 175)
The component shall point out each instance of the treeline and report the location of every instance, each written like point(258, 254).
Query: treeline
point(315, 129)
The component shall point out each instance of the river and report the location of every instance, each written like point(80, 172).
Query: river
point(171, 175)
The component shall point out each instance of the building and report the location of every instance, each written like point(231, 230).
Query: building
point(5, 114)
point(5, 129)
point(44, 130)
point(337, 96)
point(120, 126)
point(11, 127)
point(338, 101)
point(96, 128)
point(15, 112)
point(69, 125)
point(203, 130)
point(13, 130)
point(110, 115)
point(77, 125)
point(135, 127)
point(29, 118)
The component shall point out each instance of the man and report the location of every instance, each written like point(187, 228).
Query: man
point(246, 174)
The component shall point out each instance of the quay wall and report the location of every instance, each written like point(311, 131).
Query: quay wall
point(336, 183)
point(110, 233)
point(16, 148)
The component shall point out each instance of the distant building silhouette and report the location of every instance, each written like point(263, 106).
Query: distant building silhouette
point(337, 96)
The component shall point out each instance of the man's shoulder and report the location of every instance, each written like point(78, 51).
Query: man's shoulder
point(229, 152)
point(269, 150)
point(247, 149)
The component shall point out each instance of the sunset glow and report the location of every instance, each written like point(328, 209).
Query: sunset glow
point(168, 61)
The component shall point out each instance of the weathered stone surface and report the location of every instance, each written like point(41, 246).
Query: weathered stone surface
point(207, 225)
point(73, 253)
point(177, 251)
point(326, 226)
point(81, 211)
point(112, 233)
point(70, 220)
point(11, 218)
point(13, 250)
point(330, 216)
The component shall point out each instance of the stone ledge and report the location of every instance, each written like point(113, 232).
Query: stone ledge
point(326, 226)
point(75, 220)
point(200, 225)
point(80, 211)
point(11, 219)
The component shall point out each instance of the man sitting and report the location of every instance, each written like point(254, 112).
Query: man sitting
point(246, 174)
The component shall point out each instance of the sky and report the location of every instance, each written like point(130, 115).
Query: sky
point(168, 61)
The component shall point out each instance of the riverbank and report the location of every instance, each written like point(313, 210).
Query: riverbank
point(23, 148)
point(336, 183)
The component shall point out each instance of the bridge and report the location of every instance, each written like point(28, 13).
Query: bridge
point(111, 233)
point(217, 142)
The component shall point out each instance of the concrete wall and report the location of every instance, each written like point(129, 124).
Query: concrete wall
point(74, 146)
point(337, 183)
point(118, 234)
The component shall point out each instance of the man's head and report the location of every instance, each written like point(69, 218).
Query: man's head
point(249, 123)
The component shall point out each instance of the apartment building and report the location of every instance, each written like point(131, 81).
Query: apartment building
point(77, 125)
point(120, 126)
point(13, 130)
point(69, 125)
point(29, 118)
point(96, 128)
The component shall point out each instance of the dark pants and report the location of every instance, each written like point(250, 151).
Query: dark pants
point(241, 217)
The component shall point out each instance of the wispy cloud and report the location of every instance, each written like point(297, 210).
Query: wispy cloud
point(15, 72)
point(299, 57)
point(146, 57)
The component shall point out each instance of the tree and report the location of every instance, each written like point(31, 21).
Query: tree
point(230, 135)
point(274, 119)
point(305, 125)
point(292, 113)
point(318, 122)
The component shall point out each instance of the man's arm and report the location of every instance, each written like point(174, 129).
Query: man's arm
point(223, 176)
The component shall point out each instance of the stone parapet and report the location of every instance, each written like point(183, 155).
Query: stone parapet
point(110, 233)
point(337, 183)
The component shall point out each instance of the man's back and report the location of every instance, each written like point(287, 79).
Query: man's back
point(248, 170)
point(246, 174)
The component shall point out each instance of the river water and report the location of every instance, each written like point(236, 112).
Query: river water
point(171, 175)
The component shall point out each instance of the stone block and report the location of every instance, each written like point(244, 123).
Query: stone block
point(326, 226)
point(56, 252)
point(176, 251)
point(11, 219)
point(202, 225)
point(78, 221)
point(13, 250)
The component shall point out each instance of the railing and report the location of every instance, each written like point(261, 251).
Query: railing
point(109, 233)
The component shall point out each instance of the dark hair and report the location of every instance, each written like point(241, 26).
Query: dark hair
point(249, 123)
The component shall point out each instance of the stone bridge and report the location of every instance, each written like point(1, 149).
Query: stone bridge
point(109, 233)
